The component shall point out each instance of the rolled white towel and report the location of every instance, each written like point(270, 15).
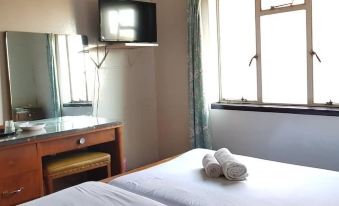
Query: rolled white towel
point(211, 166)
point(231, 167)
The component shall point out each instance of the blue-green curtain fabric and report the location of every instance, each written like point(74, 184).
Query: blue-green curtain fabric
point(199, 132)
point(56, 103)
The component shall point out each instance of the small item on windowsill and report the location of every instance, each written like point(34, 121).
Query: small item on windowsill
point(330, 103)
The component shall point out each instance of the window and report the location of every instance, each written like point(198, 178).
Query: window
point(75, 80)
point(326, 43)
point(283, 58)
point(237, 43)
point(278, 52)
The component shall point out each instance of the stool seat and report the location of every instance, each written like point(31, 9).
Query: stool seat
point(75, 163)
point(69, 164)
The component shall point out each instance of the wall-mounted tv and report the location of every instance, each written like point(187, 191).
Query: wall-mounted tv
point(127, 21)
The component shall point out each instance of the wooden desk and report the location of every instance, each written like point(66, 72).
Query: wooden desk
point(21, 177)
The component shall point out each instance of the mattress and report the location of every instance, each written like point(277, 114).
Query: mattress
point(182, 181)
point(93, 193)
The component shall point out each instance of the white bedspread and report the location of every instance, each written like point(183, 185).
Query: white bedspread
point(93, 194)
point(182, 181)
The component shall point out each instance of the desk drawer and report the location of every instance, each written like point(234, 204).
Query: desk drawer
point(19, 188)
point(18, 160)
point(76, 142)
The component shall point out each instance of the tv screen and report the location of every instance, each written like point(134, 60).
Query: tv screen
point(127, 21)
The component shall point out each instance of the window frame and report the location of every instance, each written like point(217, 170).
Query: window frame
point(259, 12)
point(72, 102)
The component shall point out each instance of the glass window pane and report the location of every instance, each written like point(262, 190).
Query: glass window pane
point(62, 62)
point(326, 44)
point(237, 41)
point(72, 68)
point(77, 68)
point(284, 59)
point(267, 4)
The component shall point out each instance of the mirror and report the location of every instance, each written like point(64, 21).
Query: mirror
point(48, 75)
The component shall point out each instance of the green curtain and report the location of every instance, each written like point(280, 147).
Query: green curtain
point(199, 132)
point(52, 70)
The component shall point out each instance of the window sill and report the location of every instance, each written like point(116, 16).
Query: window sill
point(78, 104)
point(324, 111)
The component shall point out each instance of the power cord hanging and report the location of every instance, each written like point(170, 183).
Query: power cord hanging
point(98, 64)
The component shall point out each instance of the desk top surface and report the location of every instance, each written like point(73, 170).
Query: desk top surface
point(59, 126)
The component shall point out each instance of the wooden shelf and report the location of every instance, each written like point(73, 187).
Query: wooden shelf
point(132, 45)
point(120, 46)
point(108, 47)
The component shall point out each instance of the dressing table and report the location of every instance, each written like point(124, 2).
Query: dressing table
point(21, 155)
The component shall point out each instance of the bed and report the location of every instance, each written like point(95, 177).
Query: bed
point(93, 194)
point(182, 181)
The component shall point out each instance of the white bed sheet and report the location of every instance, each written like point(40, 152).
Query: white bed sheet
point(93, 194)
point(182, 181)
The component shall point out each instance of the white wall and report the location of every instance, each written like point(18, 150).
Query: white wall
point(128, 93)
point(76, 111)
point(24, 88)
point(298, 139)
point(172, 77)
point(128, 89)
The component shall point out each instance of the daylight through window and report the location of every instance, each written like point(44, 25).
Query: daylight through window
point(278, 52)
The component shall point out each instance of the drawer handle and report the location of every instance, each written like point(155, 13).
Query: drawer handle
point(82, 141)
point(7, 194)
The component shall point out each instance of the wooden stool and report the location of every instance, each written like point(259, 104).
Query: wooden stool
point(62, 166)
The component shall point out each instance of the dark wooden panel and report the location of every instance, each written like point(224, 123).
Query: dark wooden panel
point(19, 188)
point(73, 142)
point(18, 160)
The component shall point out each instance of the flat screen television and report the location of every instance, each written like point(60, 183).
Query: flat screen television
point(127, 21)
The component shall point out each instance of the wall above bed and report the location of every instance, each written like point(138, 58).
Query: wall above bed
point(298, 139)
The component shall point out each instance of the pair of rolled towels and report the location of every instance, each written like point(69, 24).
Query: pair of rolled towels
point(223, 162)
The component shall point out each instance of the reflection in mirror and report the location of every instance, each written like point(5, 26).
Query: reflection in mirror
point(76, 81)
point(48, 76)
